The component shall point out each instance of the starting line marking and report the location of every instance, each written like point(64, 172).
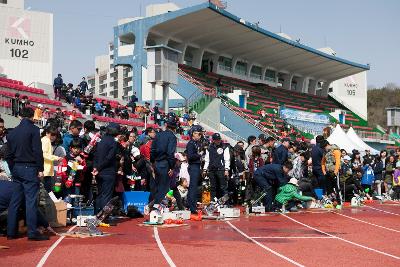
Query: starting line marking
point(342, 239)
point(162, 248)
point(50, 250)
point(263, 246)
point(291, 237)
point(388, 212)
point(380, 226)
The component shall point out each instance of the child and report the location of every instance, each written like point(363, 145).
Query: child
point(288, 193)
point(396, 182)
point(368, 178)
point(74, 167)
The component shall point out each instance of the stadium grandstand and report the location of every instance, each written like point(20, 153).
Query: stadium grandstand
point(253, 69)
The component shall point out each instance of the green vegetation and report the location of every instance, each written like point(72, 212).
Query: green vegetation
point(378, 100)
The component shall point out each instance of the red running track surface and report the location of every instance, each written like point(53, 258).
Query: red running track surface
point(315, 238)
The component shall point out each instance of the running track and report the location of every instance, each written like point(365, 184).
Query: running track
point(354, 236)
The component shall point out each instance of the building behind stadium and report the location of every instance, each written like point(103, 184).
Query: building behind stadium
point(26, 43)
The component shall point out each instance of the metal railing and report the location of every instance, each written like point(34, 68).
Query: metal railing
point(217, 126)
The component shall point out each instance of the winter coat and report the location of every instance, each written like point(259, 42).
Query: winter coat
point(289, 192)
point(368, 175)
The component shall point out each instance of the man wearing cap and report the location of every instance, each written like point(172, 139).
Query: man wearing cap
point(193, 150)
point(217, 164)
point(281, 153)
point(162, 155)
point(105, 165)
point(269, 178)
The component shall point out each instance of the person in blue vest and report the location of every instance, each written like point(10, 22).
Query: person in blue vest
point(269, 178)
point(57, 85)
point(25, 158)
point(281, 153)
point(105, 165)
point(194, 154)
point(217, 166)
point(162, 155)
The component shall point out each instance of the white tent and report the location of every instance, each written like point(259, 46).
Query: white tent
point(339, 138)
point(352, 135)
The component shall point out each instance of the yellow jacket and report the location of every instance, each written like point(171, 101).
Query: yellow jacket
point(48, 157)
point(38, 114)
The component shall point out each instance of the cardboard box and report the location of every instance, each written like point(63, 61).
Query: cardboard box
point(61, 208)
point(229, 212)
point(176, 215)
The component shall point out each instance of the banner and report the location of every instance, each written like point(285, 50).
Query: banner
point(299, 115)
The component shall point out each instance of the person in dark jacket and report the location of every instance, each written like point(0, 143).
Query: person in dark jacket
point(84, 86)
point(317, 153)
point(281, 154)
point(269, 178)
point(15, 105)
point(162, 154)
point(105, 165)
point(157, 115)
point(194, 159)
point(217, 166)
point(25, 158)
point(57, 85)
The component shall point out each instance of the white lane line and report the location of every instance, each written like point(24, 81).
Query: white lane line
point(385, 211)
point(162, 248)
point(380, 226)
point(342, 239)
point(50, 250)
point(291, 237)
point(263, 246)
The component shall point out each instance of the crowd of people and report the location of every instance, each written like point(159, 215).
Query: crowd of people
point(70, 157)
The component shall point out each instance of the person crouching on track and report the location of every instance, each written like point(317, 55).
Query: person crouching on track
point(288, 195)
point(194, 159)
point(270, 177)
point(217, 164)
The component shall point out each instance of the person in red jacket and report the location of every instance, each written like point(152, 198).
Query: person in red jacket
point(74, 167)
point(146, 147)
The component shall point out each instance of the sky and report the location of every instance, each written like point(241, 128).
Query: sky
point(364, 31)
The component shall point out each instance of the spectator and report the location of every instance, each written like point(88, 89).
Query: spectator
point(269, 178)
point(145, 148)
point(37, 117)
point(251, 141)
point(3, 133)
point(75, 127)
point(331, 166)
point(288, 194)
point(57, 85)
point(83, 86)
point(104, 165)
point(379, 172)
point(15, 105)
point(396, 182)
point(389, 171)
point(49, 136)
point(317, 153)
point(281, 153)
point(26, 157)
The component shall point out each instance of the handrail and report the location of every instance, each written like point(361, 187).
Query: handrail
point(216, 126)
point(240, 113)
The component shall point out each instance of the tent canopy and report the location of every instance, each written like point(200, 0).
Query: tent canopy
point(352, 135)
point(339, 138)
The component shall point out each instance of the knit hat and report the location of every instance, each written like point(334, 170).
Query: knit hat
point(294, 181)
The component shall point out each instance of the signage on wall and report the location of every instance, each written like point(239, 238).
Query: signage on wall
point(351, 86)
point(25, 36)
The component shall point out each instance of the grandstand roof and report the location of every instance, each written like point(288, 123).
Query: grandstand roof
point(219, 31)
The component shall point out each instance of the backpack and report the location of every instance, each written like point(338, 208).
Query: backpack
point(330, 159)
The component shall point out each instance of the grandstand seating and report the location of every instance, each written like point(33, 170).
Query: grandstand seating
point(270, 99)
